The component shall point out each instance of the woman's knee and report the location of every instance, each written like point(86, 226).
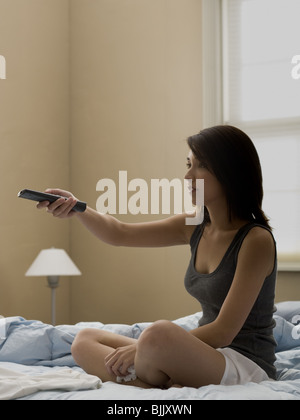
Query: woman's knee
point(156, 337)
point(81, 342)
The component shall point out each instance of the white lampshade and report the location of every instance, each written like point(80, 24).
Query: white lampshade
point(53, 262)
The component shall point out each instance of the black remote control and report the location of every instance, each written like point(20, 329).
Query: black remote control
point(40, 196)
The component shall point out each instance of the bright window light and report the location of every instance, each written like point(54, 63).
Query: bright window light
point(260, 39)
point(269, 40)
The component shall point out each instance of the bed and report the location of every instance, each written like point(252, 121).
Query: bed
point(36, 364)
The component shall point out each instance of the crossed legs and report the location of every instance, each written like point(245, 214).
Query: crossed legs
point(165, 354)
point(92, 346)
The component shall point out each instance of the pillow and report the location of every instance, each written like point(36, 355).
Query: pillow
point(290, 311)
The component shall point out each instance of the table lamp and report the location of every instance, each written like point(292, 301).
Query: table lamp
point(53, 263)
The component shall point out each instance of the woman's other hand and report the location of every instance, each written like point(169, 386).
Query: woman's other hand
point(118, 362)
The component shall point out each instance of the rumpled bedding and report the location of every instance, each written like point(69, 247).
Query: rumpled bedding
point(33, 350)
point(15, 384)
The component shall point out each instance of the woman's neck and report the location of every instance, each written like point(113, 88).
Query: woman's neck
point(220, 220)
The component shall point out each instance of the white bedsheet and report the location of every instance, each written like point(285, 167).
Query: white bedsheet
point(16, 384)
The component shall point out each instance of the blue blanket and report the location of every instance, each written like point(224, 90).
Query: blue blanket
point(37, 344)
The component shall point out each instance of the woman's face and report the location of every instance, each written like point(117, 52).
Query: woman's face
point(213, 190)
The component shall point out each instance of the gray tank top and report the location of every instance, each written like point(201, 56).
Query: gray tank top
point(255, 340)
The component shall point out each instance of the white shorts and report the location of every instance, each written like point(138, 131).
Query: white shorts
point(240, 370)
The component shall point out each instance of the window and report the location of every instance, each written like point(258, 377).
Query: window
point(258, 40)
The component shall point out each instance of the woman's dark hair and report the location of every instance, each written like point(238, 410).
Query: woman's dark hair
point(231, 156)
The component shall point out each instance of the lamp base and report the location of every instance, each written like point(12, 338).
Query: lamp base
point(53, 283)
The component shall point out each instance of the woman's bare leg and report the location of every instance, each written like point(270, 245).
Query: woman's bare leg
point(90, 348)
point(168, 354)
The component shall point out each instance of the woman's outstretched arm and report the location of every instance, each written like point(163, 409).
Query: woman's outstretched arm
point(167, 232)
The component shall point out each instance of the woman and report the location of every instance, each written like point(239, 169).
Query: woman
point(232, 273)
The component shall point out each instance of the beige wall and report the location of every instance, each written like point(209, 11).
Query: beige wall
point(136, 96)
point(288, 286)
point(94, 87)
point(34, 139)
